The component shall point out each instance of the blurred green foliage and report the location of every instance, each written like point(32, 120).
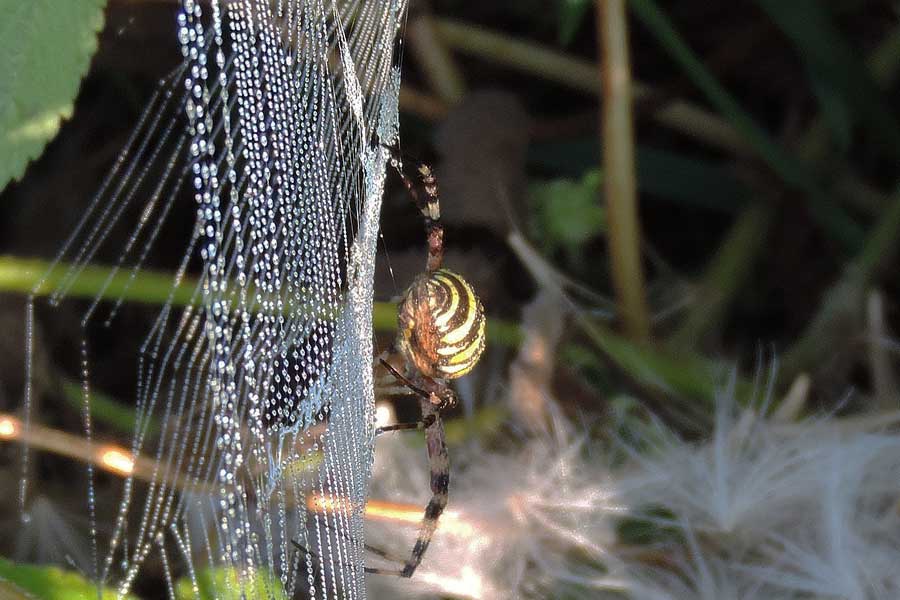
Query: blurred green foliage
point(566, 214)
point(222, 584)
point(51, 583)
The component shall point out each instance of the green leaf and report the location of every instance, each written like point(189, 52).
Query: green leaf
point(568, 212)
point(688, 180)
point(40, 582)
point(45, 50)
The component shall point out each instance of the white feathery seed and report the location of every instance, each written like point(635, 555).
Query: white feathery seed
point(757, 511)
point(520, 522)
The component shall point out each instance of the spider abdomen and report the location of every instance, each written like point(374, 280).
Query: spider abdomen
point(442, 325)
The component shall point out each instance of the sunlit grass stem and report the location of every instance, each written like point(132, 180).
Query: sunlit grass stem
point(437, 64)
point(619, 181)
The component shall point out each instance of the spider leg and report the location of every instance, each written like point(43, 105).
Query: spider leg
point(439, 463)
point(384, 554)
point(437, 394)
point(434, 394)
point(373, 549)
point(405, 380)
point(416, 425)
point(380, 571)
point(430, 207)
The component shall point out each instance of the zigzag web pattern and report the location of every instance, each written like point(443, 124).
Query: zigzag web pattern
point(259, 381)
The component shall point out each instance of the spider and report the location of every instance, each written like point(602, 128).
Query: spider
point(441, 336)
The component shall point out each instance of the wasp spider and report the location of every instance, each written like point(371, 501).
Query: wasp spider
point(440, 337)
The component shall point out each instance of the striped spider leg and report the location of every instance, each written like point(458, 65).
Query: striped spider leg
point(441, 336)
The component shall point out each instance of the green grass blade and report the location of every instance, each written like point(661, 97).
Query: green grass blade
point(830, 216)
point(833, 60)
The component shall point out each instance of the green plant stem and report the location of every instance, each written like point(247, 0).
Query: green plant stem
point(148, 287)
point(21, 275)
point(551, 65)
point(883, 64)
point(619, 183)
point(684, 376)
point(793, 173)
point(724, 276)
point(532, 58)
point(689, 376)
point(846, 295)
point(880, 248)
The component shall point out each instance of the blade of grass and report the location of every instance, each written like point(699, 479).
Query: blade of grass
point(688, 378)
point(883, 64)
point(724, 275)
point(734, 259)
point(551, 65)
point(437, 64)
point(821, 337)
point(830, 216)
point(105, 409)
point(830, 56)
point(149, 287)
point(20, 275)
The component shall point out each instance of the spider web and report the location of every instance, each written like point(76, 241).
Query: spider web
point(259, 377)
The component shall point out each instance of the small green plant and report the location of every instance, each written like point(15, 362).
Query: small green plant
point(567, 214)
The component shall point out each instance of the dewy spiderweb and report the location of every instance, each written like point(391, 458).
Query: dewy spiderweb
point(261, 380)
